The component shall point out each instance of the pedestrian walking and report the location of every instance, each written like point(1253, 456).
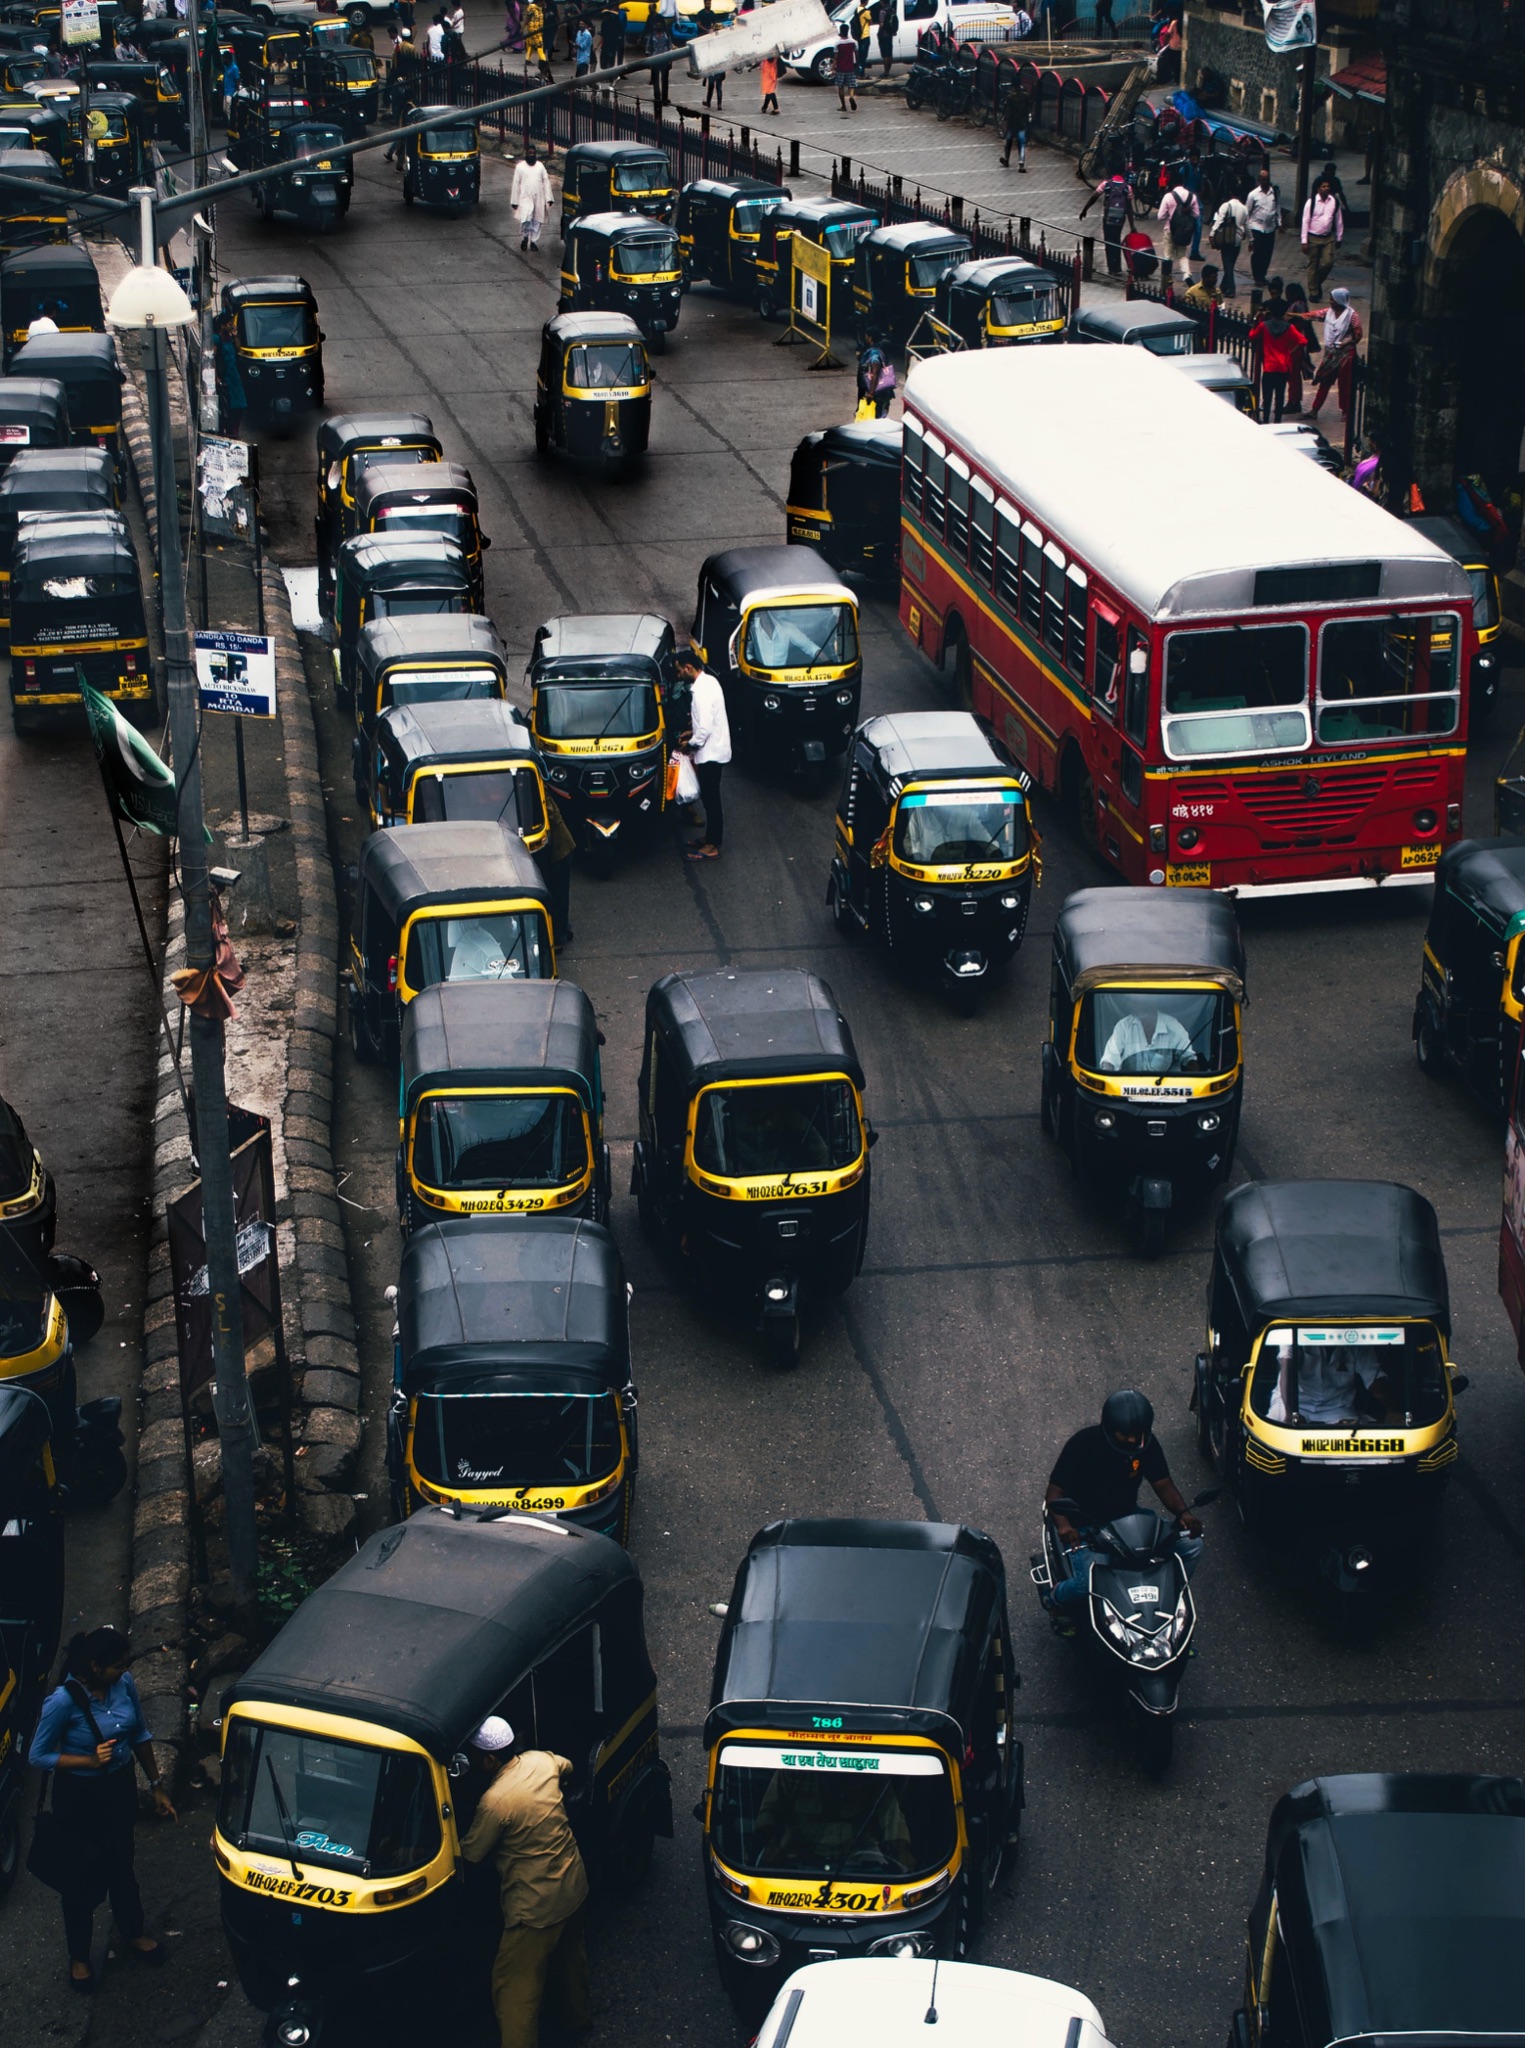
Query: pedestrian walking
point(521, 1823)
point(871, 362)
point(1190, 174)
point(1342, 336)
point(1230, 226)
point(844, 65)
point(1104, 20)
point(1204, 294)
point(1181, 218)
point(233, 400)
point(889, 28)
point(864, 25)
point(89, 1731)
point(708, 746)
point(1323, 230)
point(611, 38)
point(1016, 119)
point(1366, 477)
point(455, 34)
point(1116, 216)
point(1281, 348)
point(1262, 206)
point(533, 23)
point(658, 43)
point(767, 78)
point(231, 76)
point(434, 40)
point(1022, 25)
point(530, 197)
point(714, 90)
point(582, 49)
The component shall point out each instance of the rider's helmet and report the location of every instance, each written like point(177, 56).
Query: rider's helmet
point(1127, 1418)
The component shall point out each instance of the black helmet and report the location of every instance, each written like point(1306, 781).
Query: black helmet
point(1127, 1414)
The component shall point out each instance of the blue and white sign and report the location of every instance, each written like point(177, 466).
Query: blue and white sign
point(236, 672)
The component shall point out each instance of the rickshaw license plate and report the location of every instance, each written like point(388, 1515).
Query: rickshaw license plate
point(1190, 874)
point(1421, 856)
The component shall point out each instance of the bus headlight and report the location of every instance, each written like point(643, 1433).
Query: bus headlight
point(750, 1944)
point(1425, 821)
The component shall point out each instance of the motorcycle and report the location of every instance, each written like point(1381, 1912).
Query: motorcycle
point(955, 88)
point(1139, 1618)
point(932, 59)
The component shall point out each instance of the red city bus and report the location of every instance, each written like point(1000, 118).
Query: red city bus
point(1239, 673)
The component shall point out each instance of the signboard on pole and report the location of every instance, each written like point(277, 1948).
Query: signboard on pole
point(81, 22)
point(810, 299)
point(236, 672)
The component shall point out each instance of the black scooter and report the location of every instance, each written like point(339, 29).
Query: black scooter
point(932, 59)
point(1139, 1619)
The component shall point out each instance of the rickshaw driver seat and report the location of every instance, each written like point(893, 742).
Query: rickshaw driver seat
point(820, 1822)
point(1145, 1041)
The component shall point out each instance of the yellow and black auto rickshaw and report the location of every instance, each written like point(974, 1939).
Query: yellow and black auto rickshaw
point(454, 659)
point(57, 282)
point(935, 848)
point(1472, 974)
point(600, 689)
point(77, 616)
point(844, 498)
point(1487, 610)
point(719, 226)
point(348, 443)
point(392, 576)
point(346, 1790)
point(34, 413)
point(835, 226)
point(29, 218)
point(1325, 1394)
point(109, 157)
point(155, 87)
point(442, 166)
point(345, 85)
point(279, 345)
point(433, 903)
point(616, 177)
point(622, 263)
point(512, 1385)
point(50, 480)
point(414, 499)
point(1000, 301)
point(26, 125)
point(751, 1168)
point(31, 1597)
point(593, 390)
point(37, 1364)
point(863, 1780)
point(780, 631)
point(900, 268)
point(28, 1197)
point(1143, 1066)
point(86, 365)
point(438, 763)
point(501, 1104)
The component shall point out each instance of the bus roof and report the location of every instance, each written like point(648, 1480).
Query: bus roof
point(1080, 438)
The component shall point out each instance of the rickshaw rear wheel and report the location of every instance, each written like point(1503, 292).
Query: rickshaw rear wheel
point(1428, 1049)
point(10, 1847)
point(781, 1335)
point(1048, 1122)
point(841, 915)
point(409, 196)
point(360, 1038)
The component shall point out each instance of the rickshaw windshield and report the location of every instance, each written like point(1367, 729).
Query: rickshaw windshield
point(104, 127)
point(499, 1141)
point(606, 366)
point(362, 458)
point(510, 796)
point(438, 685)
point(371, 1812)
point(459, 141)
point(414, 604)
point(275, 326)
point(927, 272)
point(528, 1440)
point(569, 711)
point(360, 64)
point(843, 236)
point(455, 522)
point(640, 255)
point(1356, 1375)
point(778, 1127)
point(23, 1300)
point(1156, 1031)
point(1020, 308)
point(497, 945)
point(652, 175)
point(786, 636)
point(1166, 342)
point(884, 1816)
point(751, 213)
point(1485, 602)
point(938, 828)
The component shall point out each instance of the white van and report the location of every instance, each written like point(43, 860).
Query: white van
point(972, 21)
point(887, 2002)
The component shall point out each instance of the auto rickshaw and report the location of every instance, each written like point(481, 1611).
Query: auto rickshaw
point(876, 1656)
point(1137, 323)
point(77, 615)
point(1143, 1067)
point(49, 480)
point(20, 69)
point(28, 1198)
point(347, 444)
point(599, 688)
point(836, 226)
point(415, 499)
point(86, 365)
point(999, 301)
point(751, 1168)
point(781, 633)
point(392, 576)
point(116, 161)
point(1487, 610)
point(31, 1597)
point(58, 281)
point(683, 26)
point(345, 1791)
point(501, 1104)
point(441, 762)
point(1384, 1912)
point(25, 221)
point(345, 85)
point(936, 850)
point(279, 345)
point(256, 120)
point(844, 498)
point(305, 181)
point(1472, 974)
point(453, 659)
point(512, 1384)
point(900, 268)
point(719, 226)
point(270, 49)
point(593, 390)
point(616, 177)
point(26, 125)
point(440, 903)
point(623, 263)
point(1325, 1393)
point(442, 166)
point(34, 413)
point(155, 87)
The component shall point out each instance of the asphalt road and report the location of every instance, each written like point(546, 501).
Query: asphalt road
point(995, 1309)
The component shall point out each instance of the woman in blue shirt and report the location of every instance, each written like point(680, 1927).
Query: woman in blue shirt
point(90, 1729)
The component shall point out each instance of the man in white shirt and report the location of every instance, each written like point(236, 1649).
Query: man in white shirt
point(1231, 224)
point(434, 41)
point(1262, 205)
point(708, 746)
point(1145, 1042)
point(1323, 230)
point(1331, 1383)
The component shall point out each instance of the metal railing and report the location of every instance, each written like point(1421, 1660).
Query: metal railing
point(1070, 257)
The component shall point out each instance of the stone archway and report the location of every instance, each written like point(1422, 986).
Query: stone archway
point(1474, 292)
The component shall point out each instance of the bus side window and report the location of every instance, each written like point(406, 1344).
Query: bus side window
point(983, 531)
point(1032, 576)
point(958, 507)
point(1075, 634)
point(1106, 661)
point(936, 484)
point(1008, 544)
point(1053, 598)
point(1136, 695)
point(910, 466)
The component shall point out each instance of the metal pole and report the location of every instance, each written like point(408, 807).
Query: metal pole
point(230, 1400)
point(1306, 73)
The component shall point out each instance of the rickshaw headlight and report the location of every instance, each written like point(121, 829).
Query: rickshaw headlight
point(1011, 902)
point(1210, 1122)
point(293, 2034)
point(557, 775)
point(922, 903)
point(1104, 1120)
point(750, 1944)
point(1425, 821)
point(770, 703)
point(844, 696)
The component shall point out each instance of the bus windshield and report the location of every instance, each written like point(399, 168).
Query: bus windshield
point(777, 1127)
point(1156, 1031)
point(786, 1812)
point(523, 1440)
point(500, 1141)
point(1243, 690)
point(1388, 679)
point(596, 711)
point(643, 255)
point(274, 326)
point(497, 945)
point(314, 1800)
point(786, 636)
point(510, 796)
point(1351, 1376)
point(938, 828)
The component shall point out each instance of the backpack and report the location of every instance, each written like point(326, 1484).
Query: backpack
point(1114, 202)
point(1182, 223)
point(1225, 235)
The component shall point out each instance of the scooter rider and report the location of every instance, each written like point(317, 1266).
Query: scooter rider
point(1100, 1470)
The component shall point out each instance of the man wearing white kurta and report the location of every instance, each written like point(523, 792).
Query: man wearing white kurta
point(708, 746)
point(530, 198)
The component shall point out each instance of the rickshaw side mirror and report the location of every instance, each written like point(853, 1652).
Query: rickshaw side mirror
point(458, 1766)
point(1459, 1383)
point(486, 543)
point(873, 1137)
point(699, 1810)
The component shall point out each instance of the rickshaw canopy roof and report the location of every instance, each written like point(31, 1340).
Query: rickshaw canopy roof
point(608, 154)
point(404, 561)
point(1489, 873)
point(472, 860)
point(1136, 316)
point(34, 399)
point(1467, 548)
point(736, 188)
point(434, 1621)
point(347, 431)
point(913, 238)
point(876, 441)
point(568, 328)
point(1402, 1901)
point(75, 358)
point(260, 291)
point(986, 272)
point(503, 1033)
point(35, 164)
point(822, 212)
point(916, 746)
point(1106, 934)
point(56, 265)
point(596, 646)
point(478, 729)
point(457, 636)
point(46, 551)
point(87, 473)
point(741, 573)
point(1325, 1249)
point(24, 1429)
point(423, 483)
point(882, 1615)
point(618, 227)
point(479, 1297)
point(752, 1023)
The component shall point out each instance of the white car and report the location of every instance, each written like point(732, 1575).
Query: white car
point(886, 2002)
point(972, 21)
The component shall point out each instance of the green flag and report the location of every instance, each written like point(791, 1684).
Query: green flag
point(140, 786)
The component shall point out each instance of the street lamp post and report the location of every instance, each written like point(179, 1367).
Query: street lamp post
point(148, 301)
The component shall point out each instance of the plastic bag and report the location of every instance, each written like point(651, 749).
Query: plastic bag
point(865, 410)
point(686, 787)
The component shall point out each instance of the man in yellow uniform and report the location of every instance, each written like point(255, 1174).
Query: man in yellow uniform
point(522, 1824)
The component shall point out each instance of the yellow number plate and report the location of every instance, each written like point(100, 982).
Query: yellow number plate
point(1421, 856)
point(1191, 874)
